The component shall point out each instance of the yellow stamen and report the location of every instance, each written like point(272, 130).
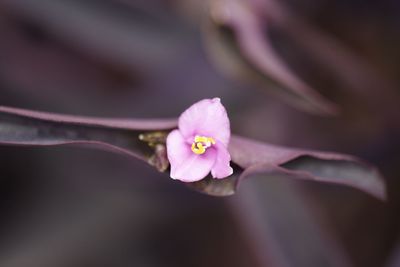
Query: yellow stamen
point(201, 143)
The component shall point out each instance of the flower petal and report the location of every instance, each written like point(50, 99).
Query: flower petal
point(195, 167)
point(177, 149)
point(207, 117)
point(222, 167)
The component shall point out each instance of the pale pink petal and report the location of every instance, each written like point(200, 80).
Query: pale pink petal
point(222, 168)
point(195, 167)
point(177, 148)
point(207, 117)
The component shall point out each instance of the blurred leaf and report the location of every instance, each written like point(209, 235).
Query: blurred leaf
point(122, 35)
point(394, 258)
point(284, 228)
point(48, 70)
point(331, 56)
point(97, 223)
point(238, 42)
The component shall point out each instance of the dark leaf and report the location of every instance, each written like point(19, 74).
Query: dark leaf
point(334, 57)
point(259, 158)
point(284, 228)
point(24, 127)
point(394, 259)
point(145, 139)
point(217, 187)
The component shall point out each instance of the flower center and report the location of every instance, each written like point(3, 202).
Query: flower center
point(201, 143)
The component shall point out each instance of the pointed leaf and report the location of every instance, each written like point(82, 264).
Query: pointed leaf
point(259, 158)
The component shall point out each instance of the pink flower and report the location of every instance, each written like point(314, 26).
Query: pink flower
point(199, 145)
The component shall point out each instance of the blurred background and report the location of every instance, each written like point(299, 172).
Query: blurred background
point(141, 59)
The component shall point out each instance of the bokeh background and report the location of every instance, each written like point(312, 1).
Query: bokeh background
point(142, 59)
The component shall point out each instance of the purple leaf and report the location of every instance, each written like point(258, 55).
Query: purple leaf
point(253, 157)
point(145, 140)
point(25, 127)
point(237, 41)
